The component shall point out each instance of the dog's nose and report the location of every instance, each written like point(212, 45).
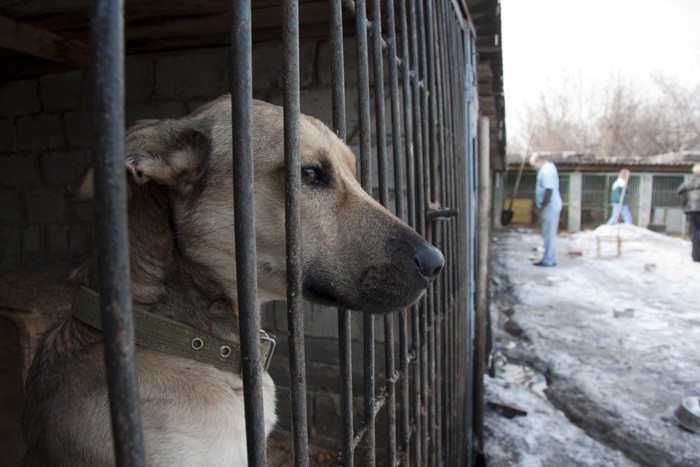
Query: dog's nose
point(429, 261)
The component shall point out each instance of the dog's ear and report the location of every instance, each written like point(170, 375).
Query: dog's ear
point(167, 152)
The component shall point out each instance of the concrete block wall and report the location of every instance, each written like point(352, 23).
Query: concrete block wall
point(45, 135)
point(44, 146)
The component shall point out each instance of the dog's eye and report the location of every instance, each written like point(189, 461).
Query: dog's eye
point(311, 175)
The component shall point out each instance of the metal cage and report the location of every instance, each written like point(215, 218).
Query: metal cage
point(425, 389)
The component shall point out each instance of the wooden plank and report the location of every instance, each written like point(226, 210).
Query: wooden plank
point(41, 43)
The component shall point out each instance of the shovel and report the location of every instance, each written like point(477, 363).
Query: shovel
point(507, 214)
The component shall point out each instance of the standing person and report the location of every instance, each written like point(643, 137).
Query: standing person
point(616, 193)
point(690, 200)
point(548, 200)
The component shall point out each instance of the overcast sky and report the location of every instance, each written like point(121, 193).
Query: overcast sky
point(546, 41)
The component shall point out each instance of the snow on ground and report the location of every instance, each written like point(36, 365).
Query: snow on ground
point(617, 339)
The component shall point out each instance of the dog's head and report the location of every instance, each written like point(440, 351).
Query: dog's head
point(355, 253)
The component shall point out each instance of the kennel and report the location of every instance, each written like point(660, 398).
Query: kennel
point(411, 113)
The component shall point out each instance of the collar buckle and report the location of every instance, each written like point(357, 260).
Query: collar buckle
point(269, 343)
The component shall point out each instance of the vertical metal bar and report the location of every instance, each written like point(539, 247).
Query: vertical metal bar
point(469, 125)
point(380, 121)
point(407, 88)
point(244, 210)
point(363, 95)
point(107, 58)
point(399, 204)
point(419, 444)
point(408, 144)
point(379, 109)
point(395, 109)
point(344, 323)
point(295, 311)
point(422, 185)
point(446, 443)
point(431, 173)
point(456, 153)
point(368, 442)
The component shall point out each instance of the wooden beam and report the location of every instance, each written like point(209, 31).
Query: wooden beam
point(41, 43)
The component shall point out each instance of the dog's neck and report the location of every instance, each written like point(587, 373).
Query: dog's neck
point(162, 280)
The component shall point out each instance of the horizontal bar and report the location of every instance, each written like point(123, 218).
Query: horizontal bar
point(436, 214)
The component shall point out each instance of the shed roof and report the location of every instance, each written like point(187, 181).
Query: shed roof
point(675, 162)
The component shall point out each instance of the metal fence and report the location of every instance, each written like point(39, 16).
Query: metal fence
point(596, 207)
point(664, 191)
point(425, 387)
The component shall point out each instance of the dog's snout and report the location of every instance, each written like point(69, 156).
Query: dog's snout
point(429, 261)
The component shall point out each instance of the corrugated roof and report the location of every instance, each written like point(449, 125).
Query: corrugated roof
point(676, 159)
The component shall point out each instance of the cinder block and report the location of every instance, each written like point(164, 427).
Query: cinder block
point(139, 80)
point(18, 169)
point(80, 242)
point(57, 240)
point(267, 65)
point(40, 133)
point(8, 137)
point(318, 103)
point(10, 206)
point(136, 112)
point(61, 92)
point(191, 76)
point(77, 128)
point(10, 247)
point(59, 169)
point(323, 62)
point(82, 212)
point(327, 421)
point(307, 63)
point(31, 239)
point(20, 98)
point(44, 206)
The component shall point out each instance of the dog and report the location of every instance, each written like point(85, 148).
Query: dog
point(356, 255)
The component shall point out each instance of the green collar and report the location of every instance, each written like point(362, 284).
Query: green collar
point(171, 337)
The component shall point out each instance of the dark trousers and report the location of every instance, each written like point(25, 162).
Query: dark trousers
point(694, 223)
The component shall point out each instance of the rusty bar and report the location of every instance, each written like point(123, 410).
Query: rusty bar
point(395, 110)
point(380, 124)
point(422, 184)
point(431, 171)
point(418, 372)
point(344, 322)
point(361, 26)
point(244, 215)
point(407, 90)
point(410, 203)
point(292, 163)
point(107, 135)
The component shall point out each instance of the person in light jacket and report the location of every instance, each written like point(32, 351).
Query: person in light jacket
point(620, 185)
point(548, 200)
point(690, 201)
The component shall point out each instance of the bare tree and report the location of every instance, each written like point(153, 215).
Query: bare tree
point(616, 122)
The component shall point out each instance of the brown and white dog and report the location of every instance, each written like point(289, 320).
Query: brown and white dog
point(355, 254)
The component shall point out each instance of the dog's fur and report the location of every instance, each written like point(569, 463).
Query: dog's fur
point(355, 254)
